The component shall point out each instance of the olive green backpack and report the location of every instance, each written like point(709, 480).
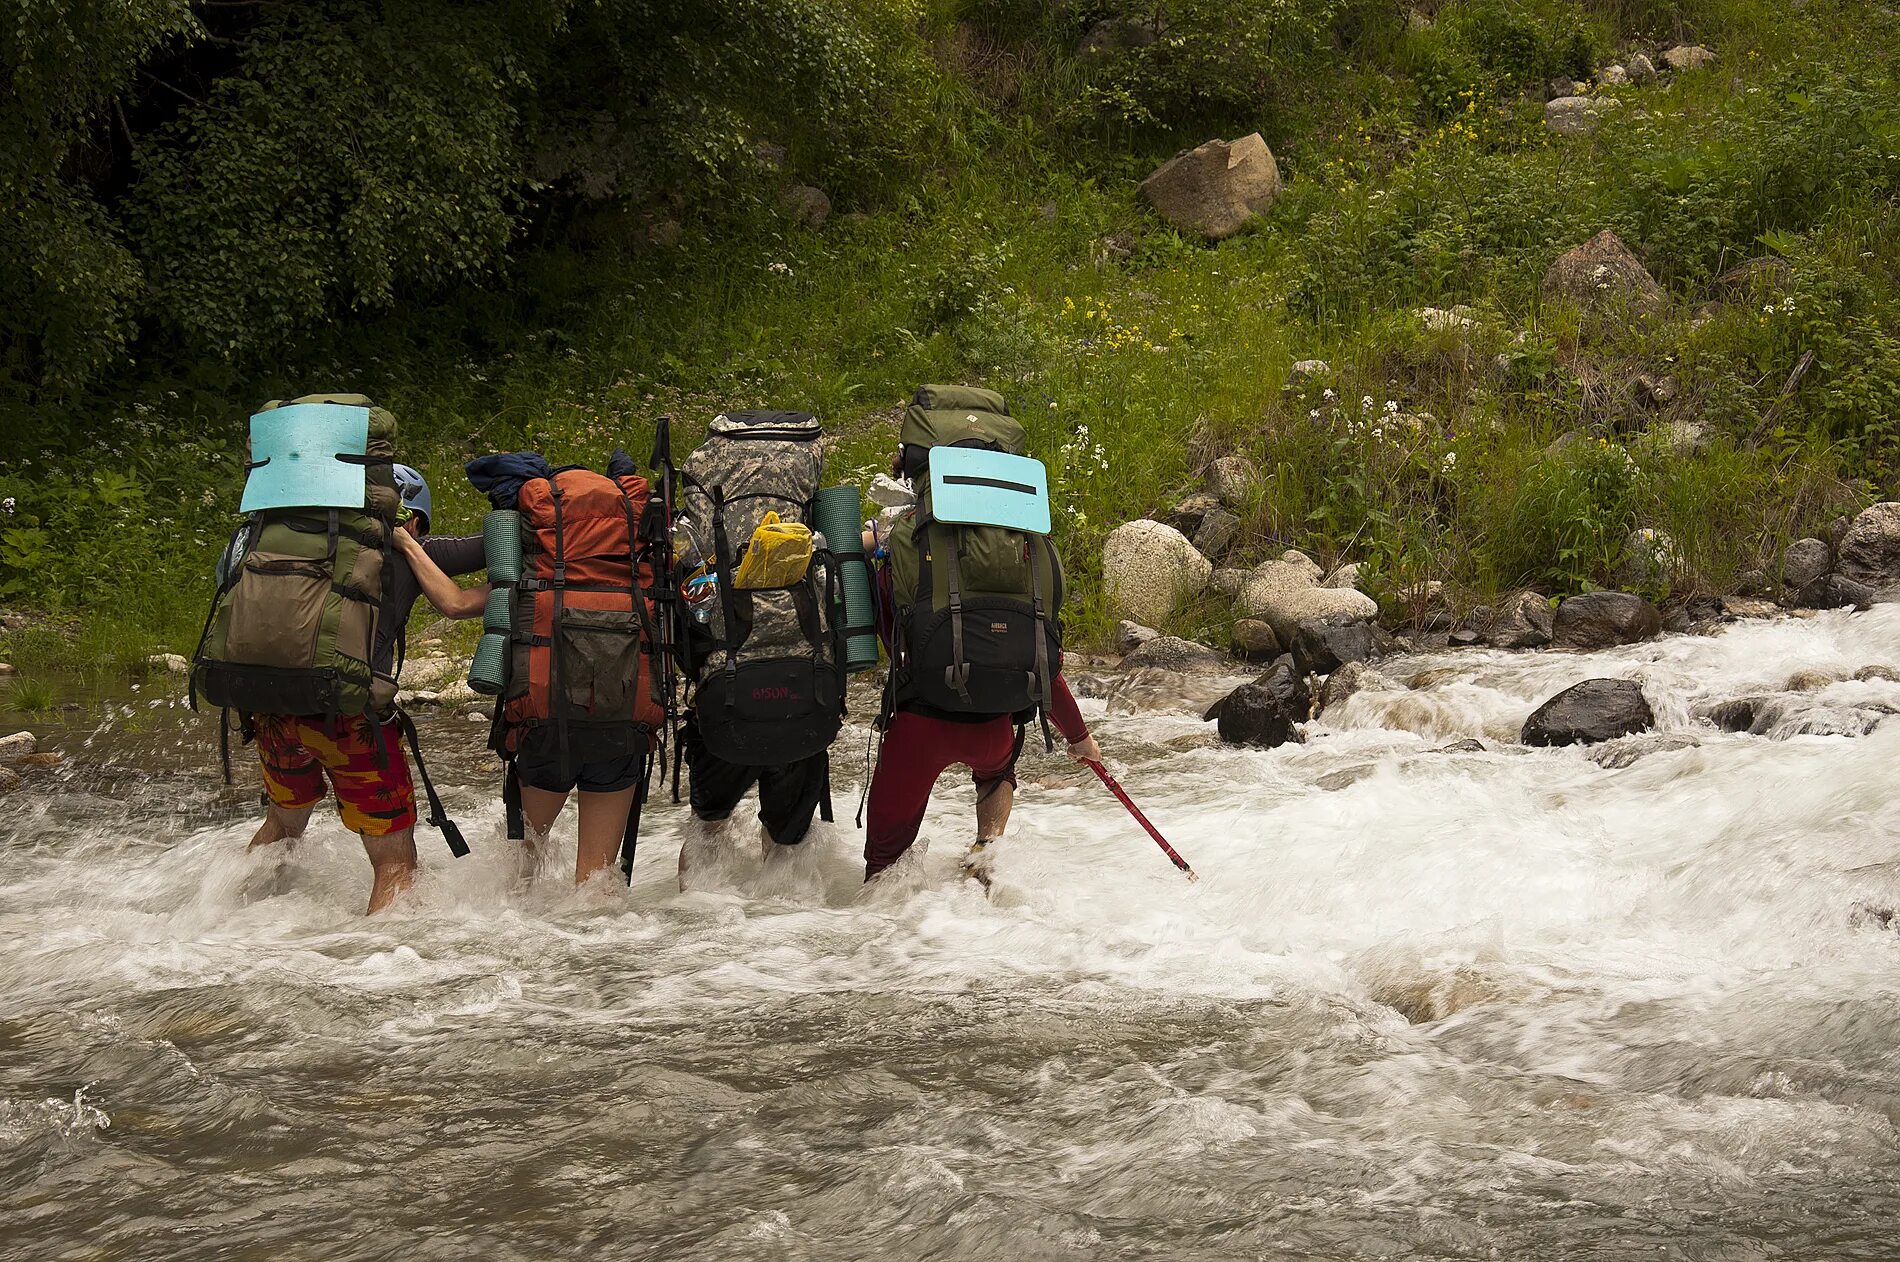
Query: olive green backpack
point(292, 626)
point(978, 607)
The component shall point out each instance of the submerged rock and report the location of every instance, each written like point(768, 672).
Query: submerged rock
point(1523, 620)
point(9, 780)
point(1601, 620)
point(1350, 680)
point(1834, 591)
point(1593, 711)
point(1624, 751)
point(1254, 714)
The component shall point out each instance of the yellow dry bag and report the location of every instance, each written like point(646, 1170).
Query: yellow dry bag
point(778, 555)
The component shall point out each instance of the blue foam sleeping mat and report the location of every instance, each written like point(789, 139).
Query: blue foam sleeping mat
point(973, 487)
point(294, 457)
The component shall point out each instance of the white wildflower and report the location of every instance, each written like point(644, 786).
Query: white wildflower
point(779, 269)
point(7, 505)
point(1365, 402)
point(1328, 394)
point(1451, 461)
point(1391, 407)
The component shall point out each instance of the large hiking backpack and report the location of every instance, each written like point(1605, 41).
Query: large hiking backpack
point(978, 598)
point(292, 627)
point(579, 670)
point(767, 688)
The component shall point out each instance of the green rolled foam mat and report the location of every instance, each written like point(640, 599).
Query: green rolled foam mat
point(837, 515)
point(501, 540)
point(495, 615)
point(488, 673)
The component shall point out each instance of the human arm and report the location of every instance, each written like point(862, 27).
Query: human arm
point(1067, 717)
point(450, 600)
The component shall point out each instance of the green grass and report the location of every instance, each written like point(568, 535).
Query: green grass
point(1134, 355)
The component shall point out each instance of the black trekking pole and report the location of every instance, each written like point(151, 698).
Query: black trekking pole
point(665, 596)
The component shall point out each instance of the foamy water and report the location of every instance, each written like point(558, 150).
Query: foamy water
point(1487, 1004)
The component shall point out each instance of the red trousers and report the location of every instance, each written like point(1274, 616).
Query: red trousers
point(917, 749)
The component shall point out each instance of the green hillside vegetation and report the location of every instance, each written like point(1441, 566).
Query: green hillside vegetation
point(539, 226)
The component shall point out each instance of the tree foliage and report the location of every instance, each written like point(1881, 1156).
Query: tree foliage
point(228, 176)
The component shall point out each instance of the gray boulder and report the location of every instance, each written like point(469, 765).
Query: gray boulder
point(1642, 69)
point(1649, 559)
point(1216, 533)
point(806, 205)
point(1588, 713)
point(17, 746)
point(1117, 35)
point(1322, 645)
point(1308, 370)
point(9, 780)
point(1601, 620)
point(1870, 550)
point(1171, 652)
point(1834, 591)
point(1187, 516)
point(1229, 581)
point(1577, 115)
point(1130, 636)
point(1349, 680)
point(1255, 640)
point(1603, 274)
point(1232, 479)
point(1613, 76)
point(1148, 569)
point(1688, 57)
point(1624, 751)
point(1215, 189)
point(1804, 561)
point(1287, 592)
point(1522, 620)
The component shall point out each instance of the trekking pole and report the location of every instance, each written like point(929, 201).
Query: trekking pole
point(1121, 795)
point(665, 597)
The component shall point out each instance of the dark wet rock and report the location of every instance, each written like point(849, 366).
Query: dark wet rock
point(1130, 635)
point(9, 780)
point(1464, 638)
point(1736, 714)
point(1624, 751)
point(1588, 713)
point(1171, 652)
point(1870, 546)
point(1601, 620)
point(41, 761)
point(1254, 714)
point(1466, 745)
point(1254, 640)
point(1349, 680)
point(1323, 645)
point(1834, 591)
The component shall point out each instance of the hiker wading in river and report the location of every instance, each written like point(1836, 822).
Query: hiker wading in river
point(970, 596)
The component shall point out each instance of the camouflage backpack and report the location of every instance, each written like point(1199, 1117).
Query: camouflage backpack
point(763, 663)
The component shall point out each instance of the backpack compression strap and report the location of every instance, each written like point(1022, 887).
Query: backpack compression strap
point(1040, 689)
point(438, 817)
point(957, 673)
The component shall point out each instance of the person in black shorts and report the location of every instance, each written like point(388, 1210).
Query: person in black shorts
point(789, 796)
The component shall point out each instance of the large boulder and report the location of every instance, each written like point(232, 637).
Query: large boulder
point(1804, 561)
point(1216, 188)
point(17, 746)
point(1130, 636)
point(1602, 273)
point(1834, 591)
point(1287, 592)
point(1171, 652)
point(1587, 713)
point(1522, 620)
point(1253, 715)
point(806, 204)
point(1870, 550)
point(1642, 69)
point(1229, 581)
point(1601, 620)
point(1149, 568)
point(1322, 645)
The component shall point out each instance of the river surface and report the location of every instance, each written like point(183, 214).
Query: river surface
point(1490, 1004)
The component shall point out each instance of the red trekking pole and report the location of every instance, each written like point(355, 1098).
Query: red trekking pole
point(1121, 795)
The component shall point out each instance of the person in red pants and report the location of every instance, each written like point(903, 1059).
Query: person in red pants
point(920, 744)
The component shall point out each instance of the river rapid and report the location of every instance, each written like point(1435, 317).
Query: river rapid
point(1486, 1004)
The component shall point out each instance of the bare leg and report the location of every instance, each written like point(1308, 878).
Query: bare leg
point(534, 845)
point(603, 827)
point(281, 824)
point(393, 856)
point(992, 811)
point(539, 810)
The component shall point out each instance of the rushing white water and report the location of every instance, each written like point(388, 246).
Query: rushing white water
point(1495, 1004)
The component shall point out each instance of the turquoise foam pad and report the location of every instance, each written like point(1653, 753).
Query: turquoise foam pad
point(294, 452)
point(972, 487)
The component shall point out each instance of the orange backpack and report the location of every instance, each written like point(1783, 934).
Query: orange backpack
point(581, 672)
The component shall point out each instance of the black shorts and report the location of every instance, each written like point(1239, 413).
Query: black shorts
point(788, 796)
point(538, 764)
